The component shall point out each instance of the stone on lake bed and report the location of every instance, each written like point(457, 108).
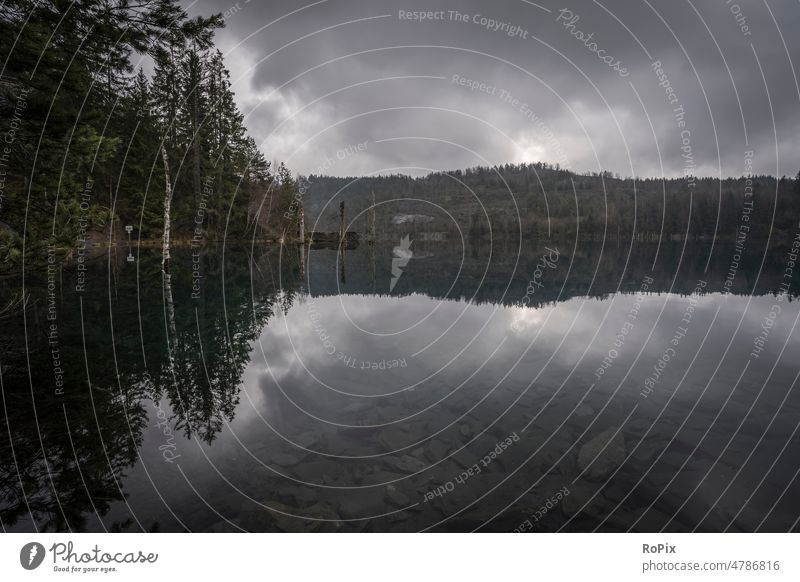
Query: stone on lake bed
point(437, 450)
point(284, 459)
point(396, 497)
point(405, 463)
point(584, 498)
point(298, 496)
point(307, 439)
point(602, 454)
point(395, 437)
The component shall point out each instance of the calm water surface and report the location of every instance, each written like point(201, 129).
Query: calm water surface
point(440, 386)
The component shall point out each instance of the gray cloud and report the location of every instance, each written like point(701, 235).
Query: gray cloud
point(343, 72)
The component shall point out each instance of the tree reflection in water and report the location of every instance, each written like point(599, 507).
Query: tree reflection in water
point(136, 341)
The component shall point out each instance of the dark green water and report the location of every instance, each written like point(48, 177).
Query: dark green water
point(555, 386)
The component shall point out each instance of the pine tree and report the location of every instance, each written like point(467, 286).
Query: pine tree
point(99, 139)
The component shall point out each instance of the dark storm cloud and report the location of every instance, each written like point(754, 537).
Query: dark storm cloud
point(317, 78)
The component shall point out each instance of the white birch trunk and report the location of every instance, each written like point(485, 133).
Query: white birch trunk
point(167, 209)
point(302, 224)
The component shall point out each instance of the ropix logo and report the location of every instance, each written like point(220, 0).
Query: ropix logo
point(31, 555)
point(402, 254)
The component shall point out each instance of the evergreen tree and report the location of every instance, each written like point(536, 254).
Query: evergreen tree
point(93, 138)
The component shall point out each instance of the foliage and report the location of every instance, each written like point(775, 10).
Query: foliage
point(84, 129)
point(543, 200)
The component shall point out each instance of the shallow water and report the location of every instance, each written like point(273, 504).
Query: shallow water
point(559, 386)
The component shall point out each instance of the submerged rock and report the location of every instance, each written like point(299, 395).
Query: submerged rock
point(601, 455)
point(307, 439)
point(298, 496)
point(284, 459)
point(437, 450)
point(396, 497)
point(395, 438)
point(585, 498)
point(405, 463)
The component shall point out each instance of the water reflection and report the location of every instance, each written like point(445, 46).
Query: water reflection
point(472, 388)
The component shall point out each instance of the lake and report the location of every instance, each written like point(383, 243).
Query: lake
point(423, 384)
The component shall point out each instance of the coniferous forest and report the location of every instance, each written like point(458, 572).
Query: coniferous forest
point(543, 200)
point(91, 140)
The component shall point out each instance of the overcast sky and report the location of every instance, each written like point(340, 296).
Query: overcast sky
point(315, 79)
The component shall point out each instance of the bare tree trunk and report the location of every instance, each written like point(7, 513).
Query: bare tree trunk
point(302, 224)
point(341, 221)
point(172, 338)
point(342, 277)
point(173, 329)
point(302, 256)
point(372, 217)
point(372, 261)
point(167, 209)
point(342, 274)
